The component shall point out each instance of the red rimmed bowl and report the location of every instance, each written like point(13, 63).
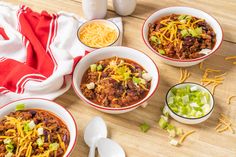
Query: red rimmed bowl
point(122, 52)
point(188, 11)
point(50, 106)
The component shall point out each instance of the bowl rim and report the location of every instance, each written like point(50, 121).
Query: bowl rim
point(213, 100)
point(183, 60)
point(55, 103)
point(139, 103)
point(102, 20)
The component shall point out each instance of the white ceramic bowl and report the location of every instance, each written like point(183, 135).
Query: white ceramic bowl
point(186, 120)
point(107, 22)
point(47, 105)
point(189, 11)
point(108, 52)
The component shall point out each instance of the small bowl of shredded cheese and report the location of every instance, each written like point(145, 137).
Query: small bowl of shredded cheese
point(189, 103)
point(97, 34)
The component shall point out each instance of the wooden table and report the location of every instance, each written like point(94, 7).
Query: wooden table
point(124, 128)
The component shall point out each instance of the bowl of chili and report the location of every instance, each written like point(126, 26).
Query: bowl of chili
point(115, 79)
point(182, 36)
point(36, 127)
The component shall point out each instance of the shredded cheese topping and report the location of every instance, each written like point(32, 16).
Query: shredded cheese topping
point(97, 35)
point(230, 98)
point(216, 78)
point(185, 136)
point(185, 74)
point(224, 124)
point(230, 58)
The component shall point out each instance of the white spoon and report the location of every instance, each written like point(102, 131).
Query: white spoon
point(95, 130)
point(109, 148)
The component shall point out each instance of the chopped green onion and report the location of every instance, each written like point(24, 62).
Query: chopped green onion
point(144, 127)
point(26, 127)
point(188, 17)
point(142, 81)
point(53, 146)
point(7, 141)
point(31, 125)
point(40, 142)
point(136, 80)
point(163, 123)
point(189, 102)
point(9, 148)
point(153, 38)
point(171, 130)
point(40, 131)
point(182, 17)
point(162, 52)
point(9, 154)
point(184, 33)
point(20, 107)
point(193, 32)
point(198, 30)
point(179, 131)
point(99, 67)
point(93, 67)
point(126, 76)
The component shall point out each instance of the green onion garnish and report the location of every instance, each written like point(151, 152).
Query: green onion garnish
point(144, 127)
point(189, 102)
point(20, 107)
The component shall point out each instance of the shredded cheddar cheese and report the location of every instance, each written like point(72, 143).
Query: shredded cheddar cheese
point(224, 124)
point(230, 57)
point(185, 74)
point(201, 66)
point(230, 98)
point(97, 35)
point(215, 79)
point(185, 136)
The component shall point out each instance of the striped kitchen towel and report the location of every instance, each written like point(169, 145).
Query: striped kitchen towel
point(37, 52)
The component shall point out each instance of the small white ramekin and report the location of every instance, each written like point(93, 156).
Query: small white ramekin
point(186, 120)
point(107, 22)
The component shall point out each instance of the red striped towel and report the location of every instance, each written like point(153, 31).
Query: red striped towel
point(37, 52)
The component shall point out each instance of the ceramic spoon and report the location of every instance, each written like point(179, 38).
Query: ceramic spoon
point(95, 130)
point(109, 148)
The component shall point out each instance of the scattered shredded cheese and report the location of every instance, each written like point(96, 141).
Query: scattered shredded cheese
point(185, 74)
point(201, 66)
point(230, 57)
point(185, 136)
point(230, 98)
point(215, 79)
point(224, 124)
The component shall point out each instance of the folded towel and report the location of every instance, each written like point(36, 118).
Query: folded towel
point(37, 52)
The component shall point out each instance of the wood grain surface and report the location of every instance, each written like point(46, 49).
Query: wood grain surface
point(205, 142)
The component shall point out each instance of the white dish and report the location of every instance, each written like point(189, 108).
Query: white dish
point(188, 11)
point(124, 7)
point(47, 105)
point(186, 120)
point(107, 22)
point(108, 52)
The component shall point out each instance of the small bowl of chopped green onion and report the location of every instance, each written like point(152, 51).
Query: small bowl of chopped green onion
point(189, 103)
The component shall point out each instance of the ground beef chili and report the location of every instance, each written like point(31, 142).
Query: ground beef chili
point(181, 36)
point(115, 82)
point(33, 133)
